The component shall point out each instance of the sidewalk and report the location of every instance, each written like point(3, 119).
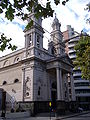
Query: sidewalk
point(46, 117)
point(71, 115)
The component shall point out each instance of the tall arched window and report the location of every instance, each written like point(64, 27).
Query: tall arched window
point(30, 40)
point(39, 88)
point(38, 41)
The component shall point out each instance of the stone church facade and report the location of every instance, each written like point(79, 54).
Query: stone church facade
point(34, 74)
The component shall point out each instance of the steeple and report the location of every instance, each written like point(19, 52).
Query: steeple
point(57, 47)
point(56, 34)
point(34, 35)
point(56, 25)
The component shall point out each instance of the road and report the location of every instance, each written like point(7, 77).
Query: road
point(79, 117)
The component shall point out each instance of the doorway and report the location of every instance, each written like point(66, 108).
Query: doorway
point(54, 95)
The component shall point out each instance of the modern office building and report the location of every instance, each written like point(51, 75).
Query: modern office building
point(82, 86)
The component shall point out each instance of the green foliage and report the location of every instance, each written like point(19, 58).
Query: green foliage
point(83, 56)
point(88, 6)
point(64, 2)
point(1, 11)
point(43, 11)
point(9, 14)
point(29, 24)
point(17, 8)
point(88, 9)
point(5, 43)
point(56, 2)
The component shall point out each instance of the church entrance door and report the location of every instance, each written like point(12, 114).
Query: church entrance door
point(54, 95)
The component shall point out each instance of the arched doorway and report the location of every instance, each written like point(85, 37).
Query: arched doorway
point(54, 94)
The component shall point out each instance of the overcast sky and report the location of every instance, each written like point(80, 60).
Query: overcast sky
point(72, 13)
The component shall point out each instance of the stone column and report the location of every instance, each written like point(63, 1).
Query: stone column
point(23, 80)
point(59, 84)
point(72, 88)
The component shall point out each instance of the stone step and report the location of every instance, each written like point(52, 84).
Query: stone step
point(52, 114)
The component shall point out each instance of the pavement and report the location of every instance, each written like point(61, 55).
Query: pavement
point(46, 117)
point(72, 115)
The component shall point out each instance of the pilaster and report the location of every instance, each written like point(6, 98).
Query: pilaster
point(23, 80)
point(59, 84)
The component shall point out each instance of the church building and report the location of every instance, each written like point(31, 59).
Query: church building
point(34, 75)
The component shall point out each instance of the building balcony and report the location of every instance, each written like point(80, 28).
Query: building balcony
point(74, 40)
point(82, 91)
point(71, 45)
point(82, 94)
point(81, 81)
point(72, 56)
point(71, 51)
point(77, 74)
point(82, 88)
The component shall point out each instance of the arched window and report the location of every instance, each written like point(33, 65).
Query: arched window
point(38, 41)
point(53, 50)
point(30, 40)
point(16, 59)
point(39, 90)
point(4, 82)
point(6, 63)
point(16, 80)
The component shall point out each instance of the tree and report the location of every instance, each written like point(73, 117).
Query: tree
point(88, 8)
point(83, 56)
point(17, 8)
point(5, 43)
point(82, 48)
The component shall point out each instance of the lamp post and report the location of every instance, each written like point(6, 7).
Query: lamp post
point(50, 104)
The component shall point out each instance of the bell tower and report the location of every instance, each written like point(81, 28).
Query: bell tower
point(57, 37)
point(56, 34)
point(34, 35)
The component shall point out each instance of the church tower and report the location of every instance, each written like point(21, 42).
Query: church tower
point(34, 72)
point(56, 34)
point(34, 35)
point(56, 38)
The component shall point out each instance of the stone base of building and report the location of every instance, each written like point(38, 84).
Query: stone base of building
point(35, 107)
point(73, 106)
point(60, 107)
point(63, 106)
